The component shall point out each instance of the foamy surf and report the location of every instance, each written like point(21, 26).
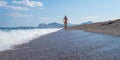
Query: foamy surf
point(8, 39)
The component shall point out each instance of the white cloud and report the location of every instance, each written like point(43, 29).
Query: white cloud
point(17, 7)
point(45, 18)
point(89, 17)
point(17, 14)
point(29, 3)
point(5, 4)
point(20, 5)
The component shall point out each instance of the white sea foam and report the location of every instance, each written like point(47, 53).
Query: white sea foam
point(8, 39)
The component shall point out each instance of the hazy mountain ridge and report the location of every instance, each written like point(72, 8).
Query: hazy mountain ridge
point(59, 25)
point(50, 25)
point(87, 22)
point(53, 25)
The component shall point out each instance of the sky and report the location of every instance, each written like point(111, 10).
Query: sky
point(14, 13)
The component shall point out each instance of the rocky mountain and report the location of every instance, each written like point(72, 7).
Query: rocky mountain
point(88, 22)
point(51, 25)
point(58, 25)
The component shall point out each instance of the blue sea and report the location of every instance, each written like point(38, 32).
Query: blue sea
point(10, 37)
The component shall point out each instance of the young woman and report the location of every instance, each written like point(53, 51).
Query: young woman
point(65, 22)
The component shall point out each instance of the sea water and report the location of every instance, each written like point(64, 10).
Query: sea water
point(9, 37)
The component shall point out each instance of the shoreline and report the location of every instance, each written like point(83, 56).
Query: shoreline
point(97, 31)
point(67, 45)
point(109, 27)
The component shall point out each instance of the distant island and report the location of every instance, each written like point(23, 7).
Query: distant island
point(87, 22)
point(59, 25)
point(50, 25)
point(53, 25)
point(44, 25)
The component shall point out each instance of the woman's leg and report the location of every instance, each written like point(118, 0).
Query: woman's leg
point(65, 26)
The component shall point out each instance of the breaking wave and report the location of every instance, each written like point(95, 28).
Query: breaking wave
point(8, 39)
